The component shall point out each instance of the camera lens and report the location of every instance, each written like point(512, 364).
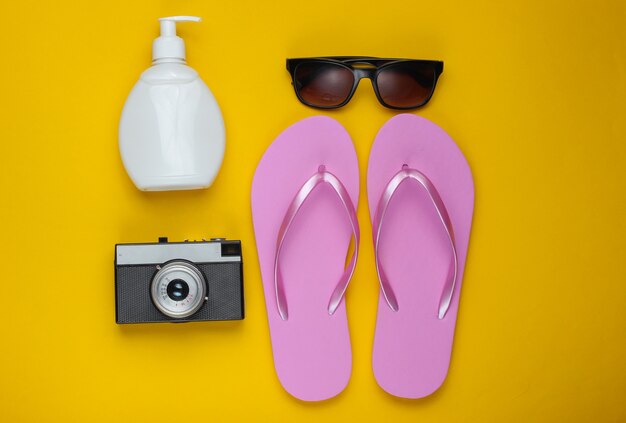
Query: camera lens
point(177, 290)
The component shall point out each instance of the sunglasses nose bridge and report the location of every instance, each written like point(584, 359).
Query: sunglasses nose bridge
point(360, 73)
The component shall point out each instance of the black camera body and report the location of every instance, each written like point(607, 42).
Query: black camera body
point(179, 281)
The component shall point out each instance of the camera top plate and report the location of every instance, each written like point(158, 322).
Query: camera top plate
point(196, 251)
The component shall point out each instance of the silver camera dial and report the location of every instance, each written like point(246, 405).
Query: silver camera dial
point(178, 289)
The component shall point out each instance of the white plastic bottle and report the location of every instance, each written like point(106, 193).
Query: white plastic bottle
point(171, 133)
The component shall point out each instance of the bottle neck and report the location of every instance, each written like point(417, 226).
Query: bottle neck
point(169, 60)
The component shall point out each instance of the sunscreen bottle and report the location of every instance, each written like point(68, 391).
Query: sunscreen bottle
point(171, 133)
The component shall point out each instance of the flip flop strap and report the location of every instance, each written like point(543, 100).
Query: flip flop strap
point(403, 175)
point(322, 176)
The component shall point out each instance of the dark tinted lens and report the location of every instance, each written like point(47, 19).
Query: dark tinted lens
point(406, 84)
point(323, 84)
point(177, 290)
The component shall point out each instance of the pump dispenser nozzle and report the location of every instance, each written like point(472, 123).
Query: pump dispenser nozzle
point(168, 45)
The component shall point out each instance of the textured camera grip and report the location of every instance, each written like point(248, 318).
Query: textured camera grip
point(225, 293)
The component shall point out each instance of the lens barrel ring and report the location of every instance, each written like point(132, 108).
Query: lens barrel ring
point(177, 272)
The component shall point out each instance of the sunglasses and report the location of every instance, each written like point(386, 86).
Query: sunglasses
point(330, 82)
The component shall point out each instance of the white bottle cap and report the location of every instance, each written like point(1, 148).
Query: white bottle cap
point(168, 45)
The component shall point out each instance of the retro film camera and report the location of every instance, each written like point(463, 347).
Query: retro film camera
point(179, 281)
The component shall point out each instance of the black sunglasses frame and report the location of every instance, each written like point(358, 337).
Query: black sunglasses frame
point(359, 73)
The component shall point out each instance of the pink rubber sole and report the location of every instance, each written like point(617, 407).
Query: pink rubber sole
point(312, 352)
point(412, 347)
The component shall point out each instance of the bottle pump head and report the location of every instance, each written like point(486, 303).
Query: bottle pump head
point(168, 45)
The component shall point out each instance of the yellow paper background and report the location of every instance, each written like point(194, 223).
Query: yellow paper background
point(534, 94)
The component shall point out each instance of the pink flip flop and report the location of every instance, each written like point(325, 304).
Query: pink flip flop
point(421, 200)
point(304, 197)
